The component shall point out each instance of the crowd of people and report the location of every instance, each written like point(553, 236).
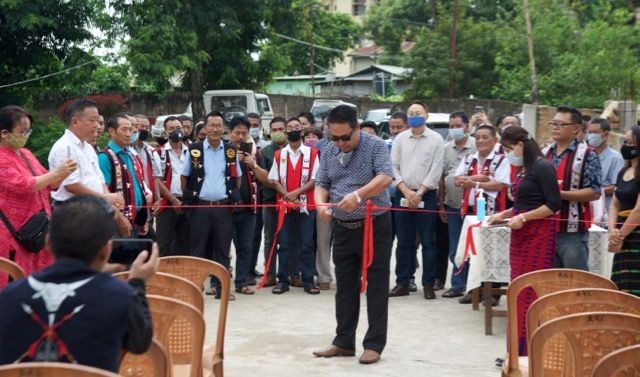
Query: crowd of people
point(202, 189)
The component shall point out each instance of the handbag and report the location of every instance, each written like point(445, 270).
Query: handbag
point(32, 234)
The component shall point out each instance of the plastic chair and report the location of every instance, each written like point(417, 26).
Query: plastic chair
point(12, 268)
point(170, 285)
point(197, 270)
point(52, 370)
point(184, 340)
point(581, 300)
point(542, 282)
point(586, 338)
point(156, 362)
point(621, 363)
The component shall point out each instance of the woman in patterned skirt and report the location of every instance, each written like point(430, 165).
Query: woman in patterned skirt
point(624, 236)
point(536, 198)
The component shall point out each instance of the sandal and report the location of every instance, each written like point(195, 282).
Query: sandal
point(312, 290)
point(211, 291)
point(279, 289)
point(245, 290)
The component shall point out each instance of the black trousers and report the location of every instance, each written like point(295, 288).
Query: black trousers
point(347, 257)
point(211, 234)
point(173, 232)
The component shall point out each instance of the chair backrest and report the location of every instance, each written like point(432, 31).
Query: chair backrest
point(579, 300)
point(197, 270)
point(180, 329)
point(170, 285)
point(585, 337)
point(12, 268)
point(52, 370)
point(621, 363)
point(544, 282)
point(156, 362)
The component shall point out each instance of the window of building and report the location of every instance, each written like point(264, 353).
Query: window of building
point(359, 7)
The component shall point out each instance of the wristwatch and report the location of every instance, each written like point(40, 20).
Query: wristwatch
point(358, 198)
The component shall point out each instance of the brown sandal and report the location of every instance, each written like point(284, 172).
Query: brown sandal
point(245, 290)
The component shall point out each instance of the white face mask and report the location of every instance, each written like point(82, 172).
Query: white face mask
point(254, 132)
point(514, 160)
point(595, 140)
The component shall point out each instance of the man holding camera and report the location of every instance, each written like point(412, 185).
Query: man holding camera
point(416, 155)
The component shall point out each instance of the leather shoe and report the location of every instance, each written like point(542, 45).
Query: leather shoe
point(333, 351)
point(399, 290)
point(324, 286)
point(296, 281)
point(369, 357)
point(451, 293)
point(412, 286)
point(429, 294)
point(438, 285)
point(270, 282)
point(466, 299)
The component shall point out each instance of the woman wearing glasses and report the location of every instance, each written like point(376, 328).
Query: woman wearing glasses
point(624, 236)
point(24, 188)
point(536, 198)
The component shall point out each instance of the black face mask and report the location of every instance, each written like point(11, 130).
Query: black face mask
point(628, 152)
point(294, 135)
point(185, 138)
point(175, 136)
point(143, 135)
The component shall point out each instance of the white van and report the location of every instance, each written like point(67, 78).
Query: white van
point(231, 103)
point(322, 106)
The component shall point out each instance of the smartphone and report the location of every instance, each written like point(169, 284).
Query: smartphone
point(246, 147)
point(126, 250)
point(478, 109)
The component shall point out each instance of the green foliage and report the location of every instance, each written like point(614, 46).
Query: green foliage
point(307, 20)
point(43, 137)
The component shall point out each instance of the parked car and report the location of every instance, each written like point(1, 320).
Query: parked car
point(322, 106)
point(231, 103)
point(377, 115)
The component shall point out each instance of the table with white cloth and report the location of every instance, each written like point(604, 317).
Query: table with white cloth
point(490, 263)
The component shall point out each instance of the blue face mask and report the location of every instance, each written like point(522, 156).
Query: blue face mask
point(457, 133)
point(595, 140)
point(515, 160)
point(415, 121)
point(133, 138)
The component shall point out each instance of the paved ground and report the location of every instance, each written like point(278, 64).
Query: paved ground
point(274, 335)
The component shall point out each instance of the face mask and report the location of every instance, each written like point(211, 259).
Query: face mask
point(416, 121)
point(162, 140)
point(514, 160)
point(457, 133)
point(311, 143)
point(294, 135)
point(18, 142)
point(133, 138)
point(143, 135)
point(278, 137)
point(628, 152)
point(185, 138)
point(254, 132)
point(176, 136)
point(594, 140)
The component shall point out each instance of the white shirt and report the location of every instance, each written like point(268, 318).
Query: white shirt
point(176, 166)
point(502, 174)
point(417, 160)
point(274, 173)
point(69, 147)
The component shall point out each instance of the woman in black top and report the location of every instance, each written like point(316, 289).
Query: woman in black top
point(624, 236)
point(536, 199)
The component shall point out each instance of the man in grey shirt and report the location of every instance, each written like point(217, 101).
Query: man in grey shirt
point(455, 151)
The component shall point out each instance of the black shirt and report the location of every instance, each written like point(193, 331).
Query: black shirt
point(539, 186)
point(627, 192)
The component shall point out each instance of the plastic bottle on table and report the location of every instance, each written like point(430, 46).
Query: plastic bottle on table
point(481, 205)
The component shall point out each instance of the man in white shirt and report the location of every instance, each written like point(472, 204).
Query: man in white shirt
point(416, 155)
point(82, 123)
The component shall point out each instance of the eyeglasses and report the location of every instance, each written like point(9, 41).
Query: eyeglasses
point(343, 137)
point(25, 133)
point(560, 125)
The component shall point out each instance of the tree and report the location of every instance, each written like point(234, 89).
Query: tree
point(39, 37)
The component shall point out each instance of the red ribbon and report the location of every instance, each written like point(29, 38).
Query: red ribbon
point(470, 245)
point(282, 211)
point(367, 246)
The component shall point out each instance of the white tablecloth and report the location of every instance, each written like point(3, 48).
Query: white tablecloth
point(491, 262)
